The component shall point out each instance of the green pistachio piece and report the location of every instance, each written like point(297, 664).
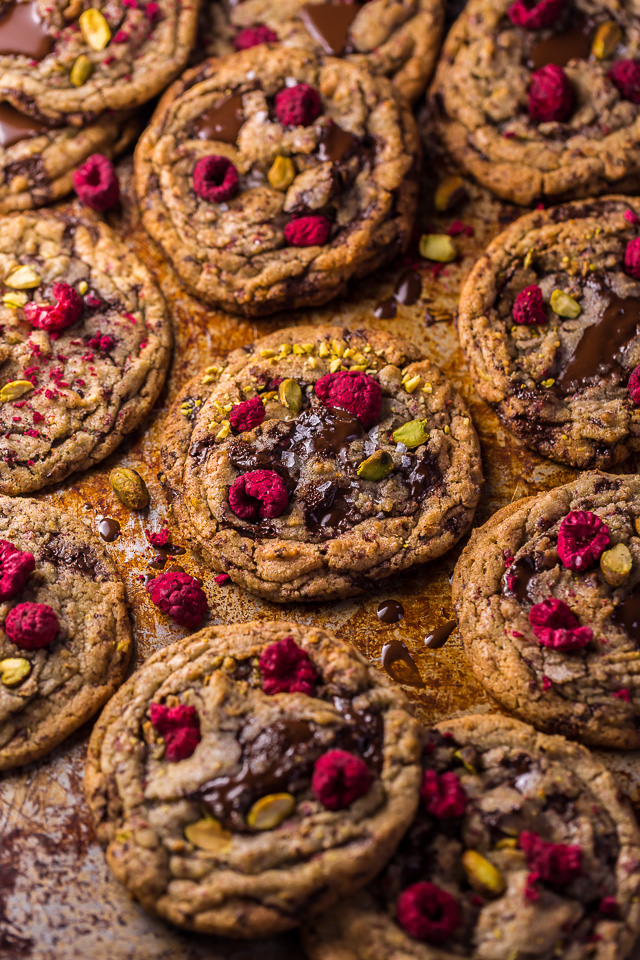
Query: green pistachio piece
point(438, 246)
point(81, 70)
point(269, 812)
point(290, 395)
point(616, 564)
point(482, 874)
point(564, 305)
point(129, 488)
point(14, 390)
point(412, 434)
point(378, 466)
point(14, 670)
point(608, 36)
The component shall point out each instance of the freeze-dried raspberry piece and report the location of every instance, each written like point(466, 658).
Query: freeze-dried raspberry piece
point(556, 626)
point(31, 625)
point(15, 567)
point(427, 913)
point(158, 539)
point(443, 795)
point(297, 106)
point(582, 539)
point(339, 779)
point(353, 391)
point(634, 385)
point(215, 179)
point(96, 183)
point(102, 342)
point(555, 863)
point(632, 259)
point(550, 94)
point(287, 668)
point(309, 231)
point(180, 727)
point(534, 15)
point(180, 596)
point(626, 76)
point(252, 36)
point(52, 318)
point(528, 306)
point(258, 494)
point(247, 415)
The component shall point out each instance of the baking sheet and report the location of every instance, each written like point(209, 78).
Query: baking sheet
point(57, 899)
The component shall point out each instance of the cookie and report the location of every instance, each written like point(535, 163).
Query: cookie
point(540, 100)
point(546, 597)
point(397, 40)
point(85, 348)
point(521, 847)
point(548, 323)
point(69, 64)
point(251, 774)
point(37, 161)
point(65, 638)
point(322, 461)
point(270, 178)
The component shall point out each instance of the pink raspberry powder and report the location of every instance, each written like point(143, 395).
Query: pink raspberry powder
point(339, 779)
point(443, 795)
point(550, 94)
point(582, 539)
point(353, 391)
point(554, 625)
point(31, 625)
point(15, 567)
point(535, 16)
point(625, 74)
point(312, 231)
point(215, 179)
point(529, 307)
point(179, 596)
point(632, 259)
point(287, 668)
point(252, 36)
point(427, 913)
point(297, 106)
point(96, 183)
point(258, 494)
point(180, 727)
point(247, 415)
point(68, 310)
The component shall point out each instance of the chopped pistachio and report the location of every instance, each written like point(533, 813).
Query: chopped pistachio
point(282, 173)
point(482, 874)
point(338, 347)
point(23, 278)
point(335, 364)
point(378, 466)
point(83, 286)
point(208, 834)
point(313, 363)
point(529, 258)
point(15, 298)
point(308, 347)
point(14, 390)
point(285, 349)
point(358, 366)
point(14, 670)
point(412, 384)
point(412, 434)
point(507, 843)
point(616, 564)
point(94, 28)
point(266, 354)
point(548, 383)
point(564, 305)
point(208, 378)
point(269, 812)
point(449, 193)
point(608, 36)
point(438, 247)
point(81, 70)
point(224, 431)
point(290, 395)
point(348, 353)
point(323, 350)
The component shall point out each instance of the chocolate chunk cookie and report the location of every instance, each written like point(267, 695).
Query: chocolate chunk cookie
point(37, 161)
point(549, 320)
point(250, 775)
point(394, 38)
point(85, 345)
point(540, 98)
point(521, 848)
point(65, 638)
point(69, 63)
point(322, 461)
point(547, 600)
point(271, 177)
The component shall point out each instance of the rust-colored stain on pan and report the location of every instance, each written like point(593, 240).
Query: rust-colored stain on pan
point(57, 899)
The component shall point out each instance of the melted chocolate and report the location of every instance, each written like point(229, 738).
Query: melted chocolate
point(595, 353)
point(574, 43)
point(386, 309)
point(109, 529)
point(437, 639)
point(421, 476)
point(400, 665)
point(15, 126)
point(222, 122)
point(83, 559)
point(627, 615)
point(390, 611)
point(336, 144)
point(409, 288)
point(329, 24)
point(518, 577)
point(22, 32)
point(330, 512)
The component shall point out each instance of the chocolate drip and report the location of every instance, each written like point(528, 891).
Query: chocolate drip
point(329, 24)
point(595, 353)
point(409, 288)
point(109, 529)
point(437, 639)
point(336, 144)
point(627, 615)
point(22, 32)
point(222, 122)
point(400, 665)
point(390, 611)
point(574, 43)
point(15, 126)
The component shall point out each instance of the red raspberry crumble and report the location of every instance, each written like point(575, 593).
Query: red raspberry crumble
point(102, 342)
point(222, 578)
point(96, 183)
point(634, 386)
point(555, 863)
point(353, 391)
point(443, 795)
point(15, 567)
point(180, 596)
point(550, 94)
point(215, 179)
point(528, 306)
point(608, 907)
point(339, 779)
point(67, 310)
point(534, 15)
point(247, 415)
point(180, 727)
point(298, 106)
point(428, 913)
point(307, 231)
point(158, 539)
point(252, 36)
point(632, 259)
point(556, 626)
point(258, 494)
point(626, 76)
point(582, 539)
point(287, 668)
point(623, 694)
point(31, 625)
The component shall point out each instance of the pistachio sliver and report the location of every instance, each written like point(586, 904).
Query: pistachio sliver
point(81, 70)
point(608, 36)
point(14, 670)
point(208, 834)
point(438, 247)
point(290, 395)
point(483, 875)
point(282, 173)
point(94, 28)
point(23, 278)
point(269, 812)
point(564, 306)
point(376, 467)
point(14, 390)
